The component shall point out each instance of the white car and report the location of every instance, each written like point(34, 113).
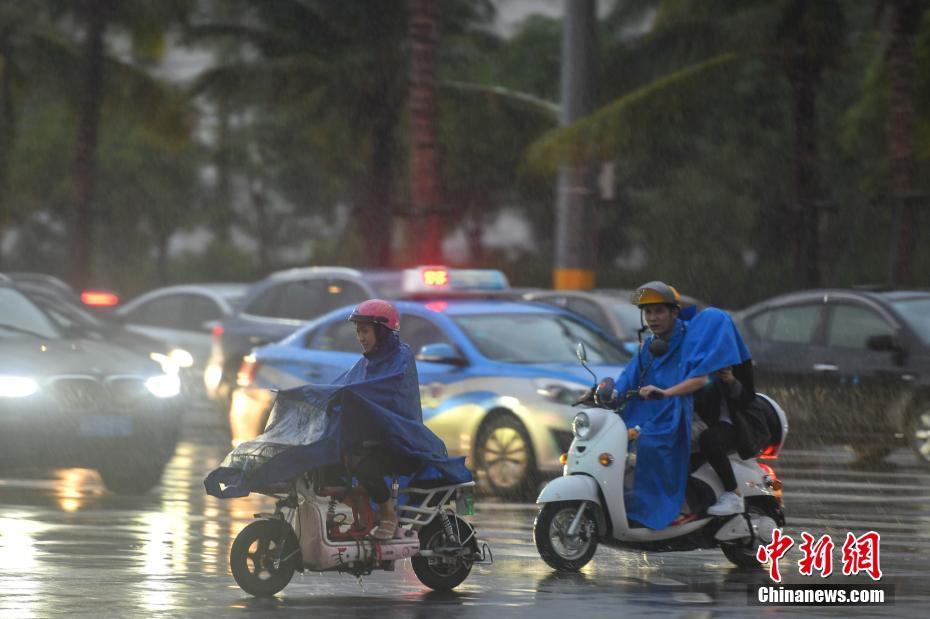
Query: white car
point(183, 318)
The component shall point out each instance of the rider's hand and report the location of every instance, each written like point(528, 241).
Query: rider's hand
point(587, 397)
point(606, 395)
point(726, 374)
point(651, 392)
point(632, 434)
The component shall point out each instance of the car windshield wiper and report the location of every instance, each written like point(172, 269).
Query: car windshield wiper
point(16, 329)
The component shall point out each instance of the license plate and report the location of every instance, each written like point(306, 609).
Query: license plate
point(104, 426)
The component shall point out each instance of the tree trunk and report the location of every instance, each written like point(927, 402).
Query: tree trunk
point(474, 232)
point(7, 140)
point(377, 202)
point(806, 223)
point(161, 259)
point(222, 197)
point(263, 225)
point(904, 20)
point(82, 188)
point(425, 181)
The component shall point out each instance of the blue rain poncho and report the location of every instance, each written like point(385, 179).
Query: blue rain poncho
point(701, 346)
point(376, 401)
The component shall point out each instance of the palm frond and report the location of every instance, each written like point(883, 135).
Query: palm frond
point(605, 132)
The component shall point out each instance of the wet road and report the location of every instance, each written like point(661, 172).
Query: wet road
point(67, 546)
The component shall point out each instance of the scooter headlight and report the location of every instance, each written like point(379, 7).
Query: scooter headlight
point(581, 426)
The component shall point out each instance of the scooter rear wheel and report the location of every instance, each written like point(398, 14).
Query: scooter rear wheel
point(564, 553)
point(264, 556)
point(739, 553)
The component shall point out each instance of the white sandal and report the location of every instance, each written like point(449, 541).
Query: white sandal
point(385, 530)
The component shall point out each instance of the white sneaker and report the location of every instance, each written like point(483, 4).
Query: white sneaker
point(729, 503)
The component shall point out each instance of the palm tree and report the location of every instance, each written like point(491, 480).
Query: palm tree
point(343, 68)
point(425, 180)
point(810, 37)
point(683, 67)
point(28, 48)
point(905, 21)
point(146, 23)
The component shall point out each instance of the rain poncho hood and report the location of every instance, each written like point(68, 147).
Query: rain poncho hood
point(701, 346)
point(376, 401)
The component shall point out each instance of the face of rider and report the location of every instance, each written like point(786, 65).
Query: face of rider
point(660, 319)
point(367, 336)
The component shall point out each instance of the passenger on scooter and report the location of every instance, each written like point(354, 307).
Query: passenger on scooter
point(718, 405)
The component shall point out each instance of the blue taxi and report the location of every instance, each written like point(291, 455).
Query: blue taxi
point(497, 378)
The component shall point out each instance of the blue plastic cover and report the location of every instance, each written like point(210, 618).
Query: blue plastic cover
point(703, 345)
point(376, 401)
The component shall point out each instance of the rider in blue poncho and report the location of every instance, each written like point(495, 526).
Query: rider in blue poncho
point(369, 418)
point(665, 376)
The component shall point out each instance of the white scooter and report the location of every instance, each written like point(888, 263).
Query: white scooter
point(585, 506)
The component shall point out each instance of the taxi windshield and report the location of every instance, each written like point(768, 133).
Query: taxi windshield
point(537, 338)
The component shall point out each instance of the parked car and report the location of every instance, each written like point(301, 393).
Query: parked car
point(497, 379)
point(75, 319)
point(285, 301)
point(610, 309)
point(98, 299)
point(850, 365)
point(67, 399)
point(183, 319)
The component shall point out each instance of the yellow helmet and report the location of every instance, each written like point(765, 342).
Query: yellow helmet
point(656, 292)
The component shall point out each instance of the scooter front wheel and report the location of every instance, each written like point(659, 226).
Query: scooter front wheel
point(264, 556)
point(564, 552)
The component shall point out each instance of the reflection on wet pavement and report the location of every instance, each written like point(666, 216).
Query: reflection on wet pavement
point(66, 544)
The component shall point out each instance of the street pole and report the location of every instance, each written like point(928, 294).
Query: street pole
point(574, 241)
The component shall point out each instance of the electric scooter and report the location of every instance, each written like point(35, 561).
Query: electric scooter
point(585, 506)
point(328, 529)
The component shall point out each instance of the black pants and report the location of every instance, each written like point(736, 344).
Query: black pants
point(370, 465)
point(716, 442)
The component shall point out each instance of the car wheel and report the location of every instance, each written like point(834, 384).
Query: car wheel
point(917, 431)
point(131, 479)
point(504, 455)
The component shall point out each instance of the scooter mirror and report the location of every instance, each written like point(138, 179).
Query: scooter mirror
point(581, 352)
point(658, 347)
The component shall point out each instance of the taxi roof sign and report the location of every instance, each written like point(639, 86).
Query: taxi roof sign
point(431, 279)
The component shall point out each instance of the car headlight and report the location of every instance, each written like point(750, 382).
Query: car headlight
point(164, 386)
point(212, 375)
point(581, 426)
point(181, 358)
point(17, 386)
point(560, 391)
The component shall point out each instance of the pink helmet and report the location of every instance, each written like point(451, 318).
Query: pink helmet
point(376, 311)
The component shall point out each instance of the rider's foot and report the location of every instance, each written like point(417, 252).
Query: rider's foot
point(728, 504)
point(385, 530)
point(683, 519)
